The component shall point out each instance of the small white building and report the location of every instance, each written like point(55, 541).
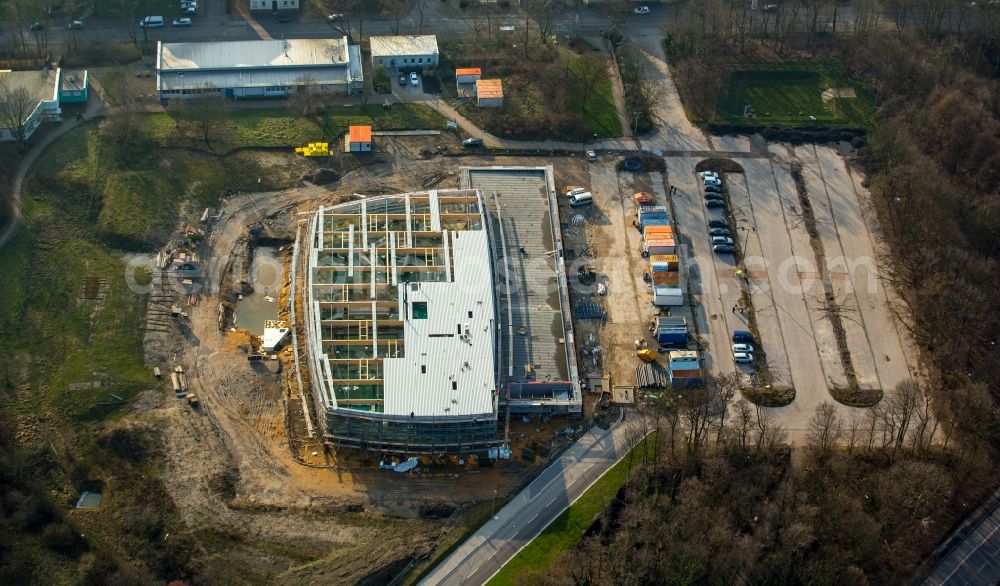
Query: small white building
point(464, 75)
point(359, 139)
point(489, 93)
point(405, 52)
point(273, 5)
point(43, 86)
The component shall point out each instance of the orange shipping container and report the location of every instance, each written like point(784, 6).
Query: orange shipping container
point(666, 279)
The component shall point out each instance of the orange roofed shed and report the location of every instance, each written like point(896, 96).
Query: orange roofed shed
point(359, 139)
point(489, 93)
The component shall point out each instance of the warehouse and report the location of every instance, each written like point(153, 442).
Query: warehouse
point(258, 69)
point(401, 327)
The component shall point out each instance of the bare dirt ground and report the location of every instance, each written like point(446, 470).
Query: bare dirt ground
point(601, 235)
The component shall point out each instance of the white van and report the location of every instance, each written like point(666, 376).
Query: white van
point(581, 199)
point(151, 22)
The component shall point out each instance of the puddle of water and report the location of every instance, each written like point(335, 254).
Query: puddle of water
point(265, 278)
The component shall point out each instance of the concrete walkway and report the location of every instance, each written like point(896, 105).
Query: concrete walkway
point(95, 108)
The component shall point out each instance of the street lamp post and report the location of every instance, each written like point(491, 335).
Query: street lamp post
point(635, 125)
point(493, 505)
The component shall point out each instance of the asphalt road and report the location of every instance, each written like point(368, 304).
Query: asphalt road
point(532, 509)
point(213, 24)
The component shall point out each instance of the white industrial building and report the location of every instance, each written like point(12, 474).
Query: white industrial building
point(42, 85)
point(256, 69)
point(405, 52)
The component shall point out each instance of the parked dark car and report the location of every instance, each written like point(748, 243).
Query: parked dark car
point(713, 188)
point(36, 26)
point(281, 18)
point(472, 143)
point(715, 196)
point(717, 224)
point(403, 80)
point(723, 249)
point(742, 337)
point(715, 203)
point(718, 232)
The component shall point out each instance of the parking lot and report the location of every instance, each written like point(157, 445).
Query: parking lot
point(785, 281)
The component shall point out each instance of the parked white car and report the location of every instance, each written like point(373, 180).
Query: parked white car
point(576, 191)
point(747, 348)
point(642, 9)
point(713, 181)
point(708, 175)
point(181, 22)
point(722, 240)
point(414, 79)
point(742, 357)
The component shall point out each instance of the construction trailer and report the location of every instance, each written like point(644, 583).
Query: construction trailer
point(359, 139)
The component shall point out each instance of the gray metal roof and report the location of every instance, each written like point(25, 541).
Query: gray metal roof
point(263, 54)
point(40, 84)
point(404, 45)
point(73, 79)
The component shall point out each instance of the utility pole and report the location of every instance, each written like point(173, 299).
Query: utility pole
point(635, 125)
point(493, 505)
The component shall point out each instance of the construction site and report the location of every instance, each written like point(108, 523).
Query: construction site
point(413, 316)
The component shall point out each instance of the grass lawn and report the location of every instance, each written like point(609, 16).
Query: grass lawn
point(792, 94)
point(600, 115)
point(278, 127)
point(567, 529)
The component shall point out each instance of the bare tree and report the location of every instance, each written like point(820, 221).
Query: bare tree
point(420, 6)
point(902, 405)
point(16, 106)
point(394, 11)
point(590, 71)
point(825, 430)
point(854, 430)
point(544, 13)
point(206, 112)
point(866, 17)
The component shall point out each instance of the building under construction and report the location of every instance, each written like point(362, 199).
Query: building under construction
point(404, 344)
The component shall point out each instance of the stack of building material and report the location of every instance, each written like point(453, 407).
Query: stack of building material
point(651, 375)
point(684, 369)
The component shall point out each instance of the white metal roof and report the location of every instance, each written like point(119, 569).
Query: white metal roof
point(259, 54)
point(436, 342)
point(445, 364)
point(404, 45)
